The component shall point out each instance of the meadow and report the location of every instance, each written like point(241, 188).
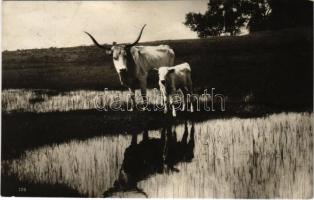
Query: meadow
point(263, 64)
point(55, 142)
point(42, 101)
point(265, 157)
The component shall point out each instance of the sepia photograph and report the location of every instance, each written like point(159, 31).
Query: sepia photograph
point(157, 99)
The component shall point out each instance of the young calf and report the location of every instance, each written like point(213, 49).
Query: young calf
point(173, 78)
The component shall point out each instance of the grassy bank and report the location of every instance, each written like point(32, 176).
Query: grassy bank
point(274, 67)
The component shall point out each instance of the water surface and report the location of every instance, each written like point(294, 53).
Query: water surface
point(269, 157)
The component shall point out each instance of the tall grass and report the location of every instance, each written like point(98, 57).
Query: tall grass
point(245, 158)
point(19, 100)
point(87, 167)
point(269, 157)
point(40, 101)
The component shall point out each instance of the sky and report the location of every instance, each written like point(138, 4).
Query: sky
point(44, 24)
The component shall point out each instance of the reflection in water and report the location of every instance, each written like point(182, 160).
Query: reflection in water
point(265, 157)
point(151, 156)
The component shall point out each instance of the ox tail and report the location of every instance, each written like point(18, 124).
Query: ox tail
point(95, 41)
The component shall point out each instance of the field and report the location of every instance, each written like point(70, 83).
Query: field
point(267, 157)
point(59, 137)
point(261, 64)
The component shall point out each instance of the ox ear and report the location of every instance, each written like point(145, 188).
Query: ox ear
point(155, 69)
point(109, 52)
point(170, 70)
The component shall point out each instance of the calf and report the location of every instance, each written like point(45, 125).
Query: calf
point(173, 78)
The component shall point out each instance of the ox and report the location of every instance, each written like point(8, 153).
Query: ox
point(133, 63)
point(173, 78)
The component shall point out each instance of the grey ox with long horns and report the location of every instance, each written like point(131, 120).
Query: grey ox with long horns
point(133, 62)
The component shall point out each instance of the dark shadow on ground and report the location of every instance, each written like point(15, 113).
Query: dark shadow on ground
point(21, 131)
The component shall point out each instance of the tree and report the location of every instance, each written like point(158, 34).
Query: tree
point(230, 16)
point(259, 12)
point(222, 16)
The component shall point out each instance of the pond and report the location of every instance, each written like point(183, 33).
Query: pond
point(265, 157)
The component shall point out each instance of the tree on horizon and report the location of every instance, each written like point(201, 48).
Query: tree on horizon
point(230, 16)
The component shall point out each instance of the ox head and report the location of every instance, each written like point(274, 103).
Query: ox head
point(120, 53)
point(163, 73)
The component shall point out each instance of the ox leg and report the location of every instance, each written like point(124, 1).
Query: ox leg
point(190, 88)
point(174, 113)
point(185, 98)
point(144, 93)
point(166, 100)
point(132, 91)
point(144, 96)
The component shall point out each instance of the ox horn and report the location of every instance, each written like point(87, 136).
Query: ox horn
point(95, 42)
point(138, 38)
